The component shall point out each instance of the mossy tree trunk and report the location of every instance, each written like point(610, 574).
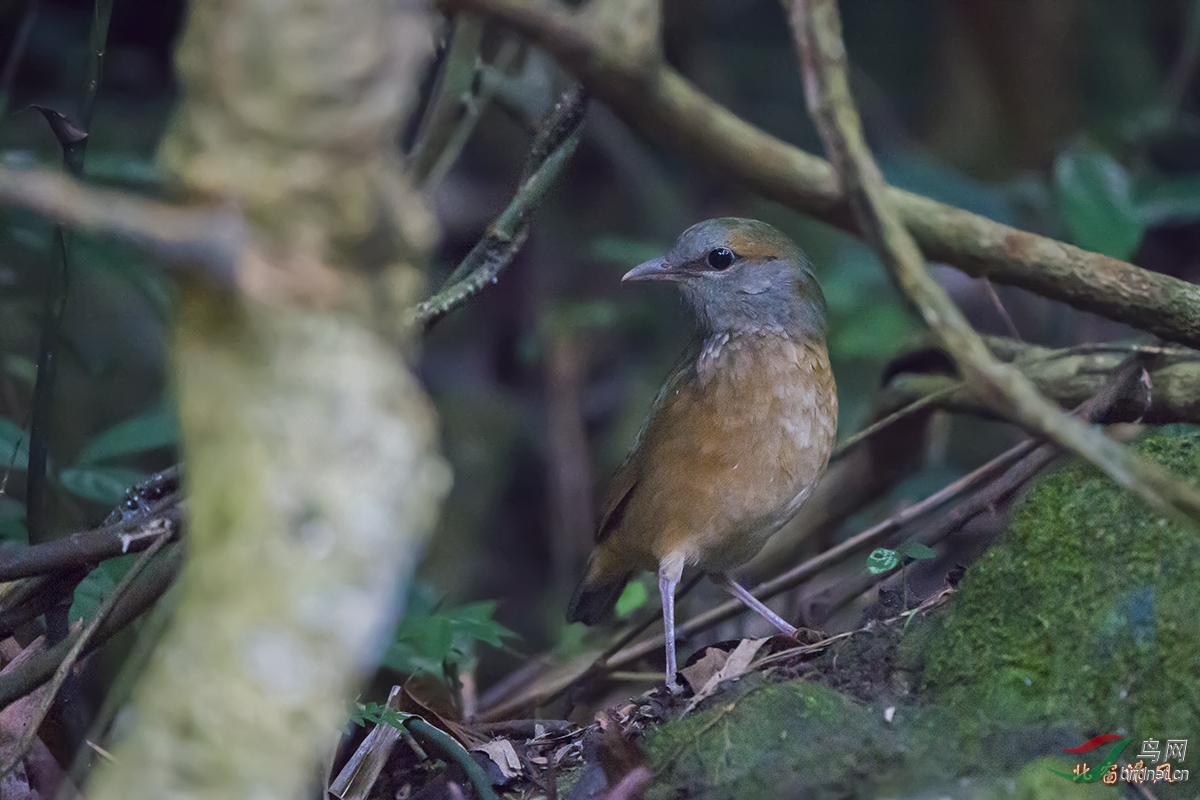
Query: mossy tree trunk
point(311, 461)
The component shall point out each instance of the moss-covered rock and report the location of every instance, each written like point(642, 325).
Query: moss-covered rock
point(1085, 615)
point(765, 740)
point(1082, 620)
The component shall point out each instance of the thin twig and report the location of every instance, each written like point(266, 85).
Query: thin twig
point(57, 287)
point(1001, 310)
point(816, 647)
point(551, 149)
point(818, 34)
point(475, 107)
point(97, 47)
point(931, 399)
point(81, 641)
point(455, 67)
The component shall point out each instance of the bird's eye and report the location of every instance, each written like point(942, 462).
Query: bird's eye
point(720, 258)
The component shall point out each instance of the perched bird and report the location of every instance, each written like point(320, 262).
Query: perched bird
point(739, 434)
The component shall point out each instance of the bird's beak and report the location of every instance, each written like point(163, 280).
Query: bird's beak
point(654, 270)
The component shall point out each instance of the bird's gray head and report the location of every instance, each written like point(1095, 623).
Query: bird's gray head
point(741, 275)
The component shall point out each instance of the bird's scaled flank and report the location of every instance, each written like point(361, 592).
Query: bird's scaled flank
point(740, 432)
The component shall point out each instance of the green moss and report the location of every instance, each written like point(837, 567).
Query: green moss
point(764, 740)
point(1083, 616)
point(1036, 782)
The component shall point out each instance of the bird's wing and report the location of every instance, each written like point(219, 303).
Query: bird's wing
point(625, 481)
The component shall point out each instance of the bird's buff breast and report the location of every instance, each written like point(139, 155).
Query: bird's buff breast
point(747, 430)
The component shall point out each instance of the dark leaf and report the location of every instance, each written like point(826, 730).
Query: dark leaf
point(1096, 201)
point(135, 435)
point(66, 131)
point(103, 484)
point(98, 584)
point(916, 551)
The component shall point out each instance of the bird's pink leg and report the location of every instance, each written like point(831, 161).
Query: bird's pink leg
point(669, 573)
point(741, 593)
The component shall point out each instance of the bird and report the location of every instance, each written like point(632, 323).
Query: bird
point(739, 434)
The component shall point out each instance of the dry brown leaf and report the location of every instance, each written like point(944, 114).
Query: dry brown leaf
point(429, 698)
point(503, 755)
point(705, 667)
point(734, 667)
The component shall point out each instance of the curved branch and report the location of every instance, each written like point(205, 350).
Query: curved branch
point(818, 33)
point(661, 103)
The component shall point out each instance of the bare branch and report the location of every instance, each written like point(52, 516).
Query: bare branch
point(90, 547)
point(658, 101)
point(211, 237)
point(818, 33)
point(551, 149)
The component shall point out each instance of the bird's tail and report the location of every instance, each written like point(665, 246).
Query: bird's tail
point(597, 594)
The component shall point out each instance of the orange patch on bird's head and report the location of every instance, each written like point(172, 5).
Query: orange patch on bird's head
point(748, 246)
point(759, 241)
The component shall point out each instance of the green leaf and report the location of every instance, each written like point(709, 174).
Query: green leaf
point(149, 431)
point(1096, 201)
point(13, 441)
point(916, 551)
point(881, 560)
point(632, 598)
point(378, 714)
point(98, 584)
point(427, 640)
point(103, 484)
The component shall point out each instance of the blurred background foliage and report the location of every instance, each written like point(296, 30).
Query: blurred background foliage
point(1071, 118)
